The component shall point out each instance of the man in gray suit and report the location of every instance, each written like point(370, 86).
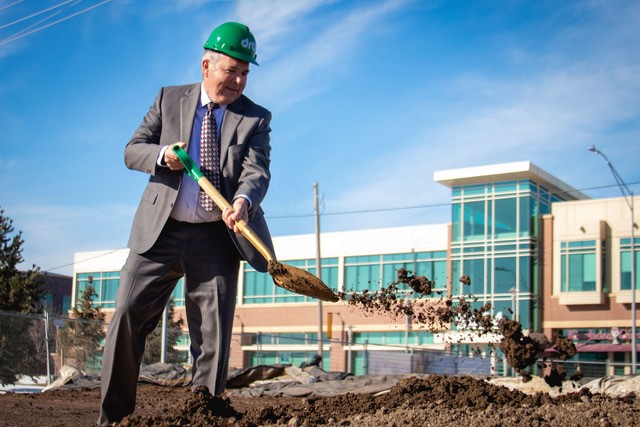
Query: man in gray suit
point(176, 233)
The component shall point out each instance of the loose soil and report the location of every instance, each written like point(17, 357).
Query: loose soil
point(520, 351)
point(300, 281)
point(417, 401)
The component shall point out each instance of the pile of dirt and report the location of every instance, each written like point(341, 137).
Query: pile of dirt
point(434, 400)
point(413, 401)
point(201, 408)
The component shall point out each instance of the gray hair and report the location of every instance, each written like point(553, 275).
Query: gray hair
point(212, 56)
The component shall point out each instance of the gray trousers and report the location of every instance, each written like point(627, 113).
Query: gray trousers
point(206, 256)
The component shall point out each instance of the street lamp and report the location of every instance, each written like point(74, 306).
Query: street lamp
point(628, 197)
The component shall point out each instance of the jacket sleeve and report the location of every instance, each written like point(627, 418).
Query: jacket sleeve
point(142, 151)
point(255, 174)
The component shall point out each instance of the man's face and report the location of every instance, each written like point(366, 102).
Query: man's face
point(224, 81)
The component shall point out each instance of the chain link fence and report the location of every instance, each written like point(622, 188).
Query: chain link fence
point(33, 347)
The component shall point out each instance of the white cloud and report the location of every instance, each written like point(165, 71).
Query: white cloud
point(317, 59)
point(270, 19)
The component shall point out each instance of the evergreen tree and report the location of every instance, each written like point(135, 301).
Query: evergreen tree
point(20, 291)
point(153, 346)
point(81, 337)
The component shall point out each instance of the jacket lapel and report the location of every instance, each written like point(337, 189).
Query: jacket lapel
point(188, 105)
point(232, 119)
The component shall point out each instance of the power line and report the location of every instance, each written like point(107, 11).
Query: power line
point(9, 5)
point(363, 211)
point(36, 14)
point(46, 18)
point(87, 259)
point(19, 36)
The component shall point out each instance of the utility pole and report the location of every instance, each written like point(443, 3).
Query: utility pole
point(318, 266)
point(627, 194)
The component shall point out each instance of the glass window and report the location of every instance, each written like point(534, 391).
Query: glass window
point(330, 275)
point(503, 309)
point(524, 285)
point(371, 272)
point(178, 293)
point(456, 287)
point(526, 216)
point(292, 339)
point(357, 278)
point(578, 266)
point(456, 220)
point(474, 221)
point(400, 257)
point(504, 275)
point(105, 285)
point(505, 224)
point(474, 190)
point(362, 259)
point(260, 289)
point(108, 294)
point(436, 271)
point(359, 363)
point(421, 338)
point(368, 337)
point(474, 268)
point(391, 338)
point(524, 313)
point(257, 286)
point(625, 263)
point(505, 187)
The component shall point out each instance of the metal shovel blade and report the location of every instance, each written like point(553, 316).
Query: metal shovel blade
point(300, 281)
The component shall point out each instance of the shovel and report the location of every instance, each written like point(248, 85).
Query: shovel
point(286, 276)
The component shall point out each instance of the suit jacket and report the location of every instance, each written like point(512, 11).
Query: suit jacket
point(244, 158)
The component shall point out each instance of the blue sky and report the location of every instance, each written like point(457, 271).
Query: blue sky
point(369, 98)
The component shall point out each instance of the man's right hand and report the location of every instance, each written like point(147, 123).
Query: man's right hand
point(171, 159)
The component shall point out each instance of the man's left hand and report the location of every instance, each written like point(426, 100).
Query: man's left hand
point(240, 211)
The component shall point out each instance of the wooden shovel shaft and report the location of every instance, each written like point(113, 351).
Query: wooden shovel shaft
point(245, 229)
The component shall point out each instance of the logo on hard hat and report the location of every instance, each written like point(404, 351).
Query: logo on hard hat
point(248, 44)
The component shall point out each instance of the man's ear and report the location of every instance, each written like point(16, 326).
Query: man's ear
point(205, 67)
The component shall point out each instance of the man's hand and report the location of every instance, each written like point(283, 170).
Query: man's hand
point(240, 211)
point(171, 159)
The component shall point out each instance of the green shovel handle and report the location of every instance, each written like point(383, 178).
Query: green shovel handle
point(189, 166)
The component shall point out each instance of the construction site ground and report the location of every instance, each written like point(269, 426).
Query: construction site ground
point(310, 397)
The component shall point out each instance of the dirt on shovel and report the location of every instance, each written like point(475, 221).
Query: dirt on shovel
point(300, 281)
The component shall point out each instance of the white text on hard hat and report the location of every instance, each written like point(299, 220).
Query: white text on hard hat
point(247, 44)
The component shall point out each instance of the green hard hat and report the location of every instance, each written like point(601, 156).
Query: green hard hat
point(235, 40)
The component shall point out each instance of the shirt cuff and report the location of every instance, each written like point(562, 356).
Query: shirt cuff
point(160, 160)
point(244, 196)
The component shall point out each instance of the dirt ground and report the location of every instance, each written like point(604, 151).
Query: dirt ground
point(422, 401)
